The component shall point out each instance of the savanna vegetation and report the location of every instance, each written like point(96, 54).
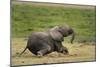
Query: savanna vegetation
point(28, 17)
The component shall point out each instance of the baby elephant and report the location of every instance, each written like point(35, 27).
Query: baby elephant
point(42, 43)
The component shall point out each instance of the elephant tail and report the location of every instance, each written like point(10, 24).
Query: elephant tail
point(23, 51)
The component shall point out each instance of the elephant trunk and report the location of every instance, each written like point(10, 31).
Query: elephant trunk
point(73, 37)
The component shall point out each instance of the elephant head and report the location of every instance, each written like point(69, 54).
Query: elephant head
point(59, 32)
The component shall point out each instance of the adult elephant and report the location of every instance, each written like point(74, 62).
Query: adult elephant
point(42, 43)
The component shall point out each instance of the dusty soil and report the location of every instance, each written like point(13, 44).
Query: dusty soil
point(77, 52)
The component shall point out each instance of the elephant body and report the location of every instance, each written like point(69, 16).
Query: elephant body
point(42, 43)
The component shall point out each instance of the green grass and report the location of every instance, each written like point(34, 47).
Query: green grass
point(27, 18)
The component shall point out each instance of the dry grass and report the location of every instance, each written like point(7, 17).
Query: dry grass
point(77, 52)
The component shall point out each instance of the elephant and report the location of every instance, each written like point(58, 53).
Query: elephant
point(42, 43)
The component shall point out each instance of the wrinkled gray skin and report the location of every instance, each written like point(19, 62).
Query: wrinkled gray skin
point(42, 43)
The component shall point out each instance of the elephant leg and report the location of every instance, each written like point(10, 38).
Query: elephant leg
point(58, 46)
point(42, 52)
point(65, 50)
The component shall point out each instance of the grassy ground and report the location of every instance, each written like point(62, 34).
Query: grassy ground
point(77, 52)
point(28, 17)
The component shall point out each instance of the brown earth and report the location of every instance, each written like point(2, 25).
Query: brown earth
point(77, 52)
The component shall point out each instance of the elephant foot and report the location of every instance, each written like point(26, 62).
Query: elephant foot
point(42, 52)
point(65, 52)
point(39, 54)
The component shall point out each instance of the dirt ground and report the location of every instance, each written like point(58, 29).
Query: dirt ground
point(77, 52)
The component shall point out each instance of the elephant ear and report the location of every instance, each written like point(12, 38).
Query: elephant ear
point(56, 35)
